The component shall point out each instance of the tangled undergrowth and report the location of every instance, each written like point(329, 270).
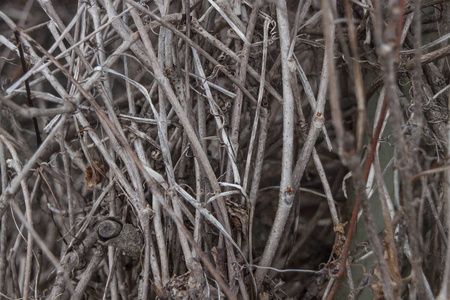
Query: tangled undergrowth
point(206, 149)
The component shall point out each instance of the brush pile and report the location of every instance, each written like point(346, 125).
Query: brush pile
point(207, 149)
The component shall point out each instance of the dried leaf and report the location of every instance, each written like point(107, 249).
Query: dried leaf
point(238, 216)
point(340, 238)
point(94, 177)
point(219, 260)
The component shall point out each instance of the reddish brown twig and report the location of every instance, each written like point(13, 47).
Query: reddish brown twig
point(372, 150)
point(27, 87)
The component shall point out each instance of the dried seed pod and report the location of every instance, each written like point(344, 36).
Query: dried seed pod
point(125, 237)
point(94, 176)
point(109, 229)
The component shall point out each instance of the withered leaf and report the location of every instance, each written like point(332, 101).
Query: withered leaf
point(94, 177)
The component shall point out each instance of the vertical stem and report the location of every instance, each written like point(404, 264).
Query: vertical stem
point(28, 90)
point(286, 195)
point(15, 162)
point(444, 293)
point(359, 86)
point(237, 107)
point(4, 220)
point(66, 173)
point(199, 177)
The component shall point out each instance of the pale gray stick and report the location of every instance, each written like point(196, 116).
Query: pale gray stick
point(286, 194)
point(326, 187)
point(310, 94)
point(236, 114)
point(67, 179)
point(220, 127)
point(4, 219)
point(256, 179)
point(252, 140)
point(85, 278)
point(70, 262)
point(199, 177)
point(15, 164)
point(31, 112)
